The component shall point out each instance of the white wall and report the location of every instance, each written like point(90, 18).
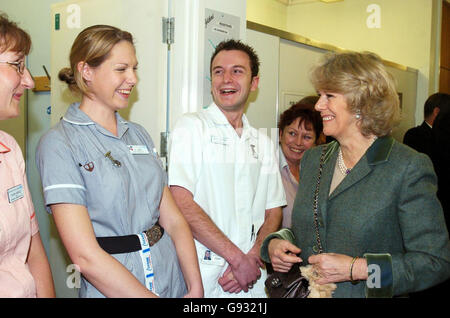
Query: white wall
point(268, 12)
point(262, 108)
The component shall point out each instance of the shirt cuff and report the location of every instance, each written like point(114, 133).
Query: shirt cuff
point(379, 282)
point(284, 234)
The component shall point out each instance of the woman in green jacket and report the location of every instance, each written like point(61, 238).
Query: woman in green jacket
point(379, 229)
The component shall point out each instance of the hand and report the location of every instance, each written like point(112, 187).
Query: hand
point(246, 270)
point(331, 267)
point(282, 255)
point(229, 283)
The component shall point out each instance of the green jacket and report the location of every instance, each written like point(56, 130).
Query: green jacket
point(385, 210)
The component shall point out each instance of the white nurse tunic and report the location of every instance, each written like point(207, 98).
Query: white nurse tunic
point(233, 179)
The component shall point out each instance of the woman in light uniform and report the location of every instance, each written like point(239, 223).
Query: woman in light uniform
point(24, 268)
point(105, 186)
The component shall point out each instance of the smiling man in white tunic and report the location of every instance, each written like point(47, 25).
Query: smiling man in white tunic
point(224, 176)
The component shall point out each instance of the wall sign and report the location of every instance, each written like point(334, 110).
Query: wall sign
point(219, 26)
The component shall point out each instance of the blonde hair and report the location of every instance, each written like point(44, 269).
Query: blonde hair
point(92, 46)
point(368, 87)
point(13, 38)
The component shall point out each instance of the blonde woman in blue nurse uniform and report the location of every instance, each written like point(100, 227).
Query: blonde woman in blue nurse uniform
point(105, 185)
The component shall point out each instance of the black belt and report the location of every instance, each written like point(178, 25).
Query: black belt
point(129, 243)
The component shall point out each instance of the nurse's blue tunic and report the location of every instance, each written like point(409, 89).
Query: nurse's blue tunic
point(121, 200)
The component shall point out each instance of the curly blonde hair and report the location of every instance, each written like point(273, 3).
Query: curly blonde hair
point(369, 89)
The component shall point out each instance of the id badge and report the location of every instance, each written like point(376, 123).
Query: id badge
point(220, 140)
point(211, 258)
point(138, 149)
point(15, 193)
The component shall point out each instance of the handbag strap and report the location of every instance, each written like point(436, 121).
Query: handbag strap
point(316, 199)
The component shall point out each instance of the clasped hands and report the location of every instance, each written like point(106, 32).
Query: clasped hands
point(243, 274)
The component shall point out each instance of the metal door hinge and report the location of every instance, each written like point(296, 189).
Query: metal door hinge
point(168, 30)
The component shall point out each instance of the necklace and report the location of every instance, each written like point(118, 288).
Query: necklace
point(342, 167)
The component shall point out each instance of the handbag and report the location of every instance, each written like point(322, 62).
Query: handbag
point(293, 284)
point(288, 285)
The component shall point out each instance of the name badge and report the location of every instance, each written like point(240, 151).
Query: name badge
point(220, 140)
point(15, 193)
point(211, 258)
point(138, 149)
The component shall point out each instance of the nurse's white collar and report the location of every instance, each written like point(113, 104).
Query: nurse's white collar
point(219, 118)
point(77, 117)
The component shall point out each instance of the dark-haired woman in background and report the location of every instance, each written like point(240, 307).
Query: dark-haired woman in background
point(300, 127)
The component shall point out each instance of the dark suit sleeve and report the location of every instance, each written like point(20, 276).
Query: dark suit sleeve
point(419, 138)
point(426, 260)
point(413, 139)
point(407, 137)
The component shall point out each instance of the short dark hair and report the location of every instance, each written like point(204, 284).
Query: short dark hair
point(230, 45)
point(433, 101)
point(306, 113)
